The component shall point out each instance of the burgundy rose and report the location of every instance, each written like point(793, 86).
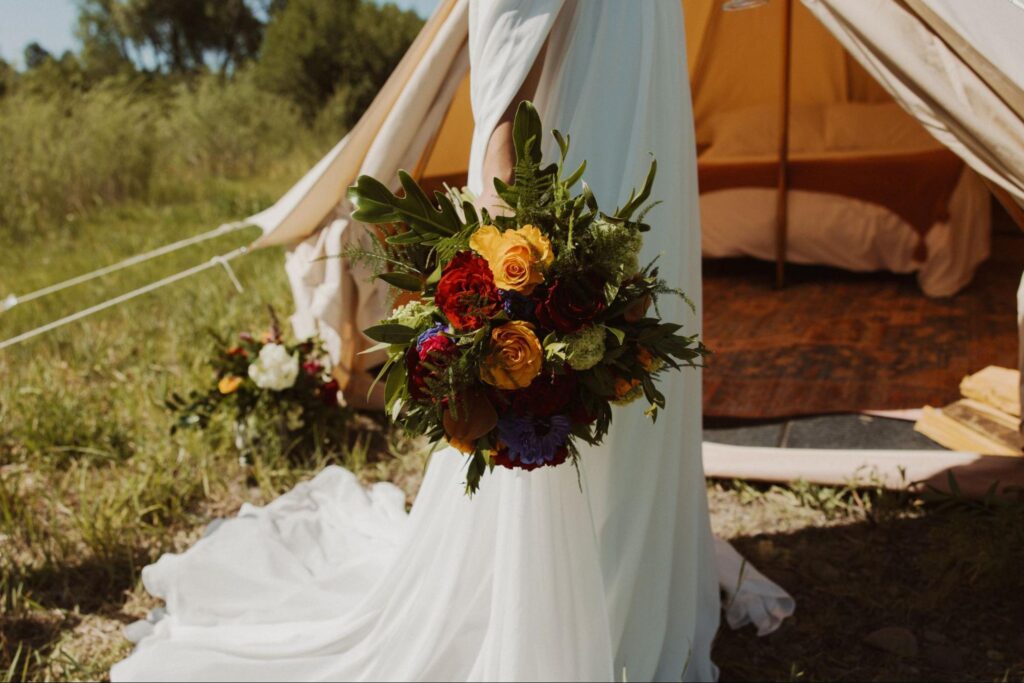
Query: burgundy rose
point(568, 305)
point(436, 352)
point(580, 414)
point(503, 459)
point(547, 394)
point(466, 293)
point(329, 393)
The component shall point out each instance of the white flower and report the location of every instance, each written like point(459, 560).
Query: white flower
point(275, 369)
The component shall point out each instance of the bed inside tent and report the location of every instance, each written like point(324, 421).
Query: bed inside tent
point(868, 187)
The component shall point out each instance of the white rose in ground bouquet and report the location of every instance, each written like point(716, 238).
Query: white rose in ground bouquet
point(275, 369)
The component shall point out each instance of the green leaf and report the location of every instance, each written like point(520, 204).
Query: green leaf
point(651, 392)
point(435, 276)
point(588, 197)
point(635, 201)
point(576, 176)
point(406, 281)
point(563, 142)
point(391, 333)
point(394, 385)
point(526, 132)
point(380, 346)
point(408, 237)
point(619, 335)
point(375, 203)
point(475, 472)
point(611, 290)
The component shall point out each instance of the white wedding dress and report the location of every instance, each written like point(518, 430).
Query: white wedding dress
point(540, 576)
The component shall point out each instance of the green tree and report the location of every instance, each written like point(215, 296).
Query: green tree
point(36, 55)
point(181, 36)
point(316, 49)
point(7, 78)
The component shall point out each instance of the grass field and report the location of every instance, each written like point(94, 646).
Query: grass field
point(92, 486)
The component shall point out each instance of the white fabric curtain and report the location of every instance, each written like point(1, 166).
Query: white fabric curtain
point(957, 66)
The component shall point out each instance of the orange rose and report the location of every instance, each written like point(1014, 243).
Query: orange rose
point(624, 386)
point(648, 361)
point(645, 358)
point(474, 417)
point(229, 384)
point(516, 356)
point(517, 258)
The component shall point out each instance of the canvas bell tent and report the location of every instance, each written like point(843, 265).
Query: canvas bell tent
point(886, 104)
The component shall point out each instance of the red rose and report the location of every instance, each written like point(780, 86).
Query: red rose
point(547, 395)
point(571, 304)
point(436, 351)
point(466, 293)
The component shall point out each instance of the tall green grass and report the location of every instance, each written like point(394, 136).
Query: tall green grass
point(92, 485)
point(66, 153)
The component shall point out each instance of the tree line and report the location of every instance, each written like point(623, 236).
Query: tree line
point(315, 53)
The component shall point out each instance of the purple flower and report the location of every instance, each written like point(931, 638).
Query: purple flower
point(438, 328)
point(517, 306)
point(532, 440)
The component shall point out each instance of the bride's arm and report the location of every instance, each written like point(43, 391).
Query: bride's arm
point(500, 156)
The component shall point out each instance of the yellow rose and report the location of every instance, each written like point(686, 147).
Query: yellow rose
point(517, 257)
point(516, 356)
point(229, 384)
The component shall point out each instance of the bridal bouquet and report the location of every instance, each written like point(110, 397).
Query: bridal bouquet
point(521, 331)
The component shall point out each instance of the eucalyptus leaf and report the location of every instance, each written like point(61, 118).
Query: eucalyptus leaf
point(406, 281)
point(391, 333)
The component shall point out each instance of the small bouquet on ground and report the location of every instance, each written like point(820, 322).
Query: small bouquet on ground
point(266, 379)
point(521, 331)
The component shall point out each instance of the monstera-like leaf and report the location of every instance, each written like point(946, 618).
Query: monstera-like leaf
point(428, 222)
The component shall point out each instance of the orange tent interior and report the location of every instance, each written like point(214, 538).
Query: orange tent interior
point(847, 139)
point(845, 136)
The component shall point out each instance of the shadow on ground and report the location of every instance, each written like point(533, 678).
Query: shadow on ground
point(950, 576)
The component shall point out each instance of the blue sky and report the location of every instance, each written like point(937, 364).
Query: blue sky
point(51, 23)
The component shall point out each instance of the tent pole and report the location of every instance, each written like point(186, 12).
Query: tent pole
point(782, 208)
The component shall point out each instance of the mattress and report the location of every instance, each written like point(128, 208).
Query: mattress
point(834, 230)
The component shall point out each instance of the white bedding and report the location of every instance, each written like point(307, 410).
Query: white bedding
point(833, 230)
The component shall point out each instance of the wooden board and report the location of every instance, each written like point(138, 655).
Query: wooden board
point(970, 425)
point(995, 386)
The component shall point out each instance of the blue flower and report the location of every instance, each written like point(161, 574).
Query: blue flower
point(517, 306)
point(532, 440)
point(436, 329)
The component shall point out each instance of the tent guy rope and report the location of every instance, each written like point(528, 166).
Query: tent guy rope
point(13, 300)
point(222, 260)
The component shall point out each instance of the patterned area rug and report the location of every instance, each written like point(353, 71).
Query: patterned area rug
point(834, 341)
